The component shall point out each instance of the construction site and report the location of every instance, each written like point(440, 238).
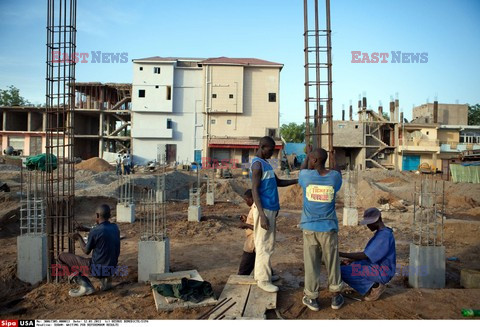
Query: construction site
point(170, 152)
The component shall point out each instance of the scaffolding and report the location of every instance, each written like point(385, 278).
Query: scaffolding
point(32, 203)
point(60, 103)
point(318, 79)
point(428, 212)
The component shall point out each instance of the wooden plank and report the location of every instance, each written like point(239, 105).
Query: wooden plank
point(241, 280)
point(239, 294)
point(258, 302)
point(175, 275)
point(161, 303)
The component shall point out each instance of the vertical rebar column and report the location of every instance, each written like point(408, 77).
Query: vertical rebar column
point(60, 102)
point(125, 190)
point(318, 90)
point(153, 224)
point(428, 213)
point(32, 202)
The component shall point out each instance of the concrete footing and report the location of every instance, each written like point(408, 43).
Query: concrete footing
point(210, 199)
point(470, 278)
point(32, 258)
point(427, 266)
point(153, 257)
point(350, 216)
point(160, 196)
point(125, 213)
point(194, 213)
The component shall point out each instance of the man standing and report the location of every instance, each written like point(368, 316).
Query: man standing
point(369, 271)
point(265, 196)
point(104, 241)
point(320, 227)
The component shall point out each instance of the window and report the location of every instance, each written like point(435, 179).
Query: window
point(141, 93)
point(156, 70)
point(356, 126)
point(214, 96)
point(272, 132)
point(17, 142)
point(272, 97)
point(169, 93)
point(229, 122)
point(169, 123)
point(156, 86)
point(428, 132)
point(231, 96)
point(213, 121)
point(141, 68)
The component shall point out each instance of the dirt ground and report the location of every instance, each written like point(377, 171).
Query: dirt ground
point(214, 247)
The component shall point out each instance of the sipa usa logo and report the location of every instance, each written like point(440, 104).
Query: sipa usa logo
point(94, 57)
point(394, 57)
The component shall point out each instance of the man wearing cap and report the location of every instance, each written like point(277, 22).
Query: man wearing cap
point(369, 271)
point(104, 241)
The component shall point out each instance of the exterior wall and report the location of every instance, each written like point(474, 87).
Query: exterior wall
point(184, 111)
point(258, 113)
point(26, 145)
point(448, 136)
point(448, 114)
point(226, 89)
point(347, 134)
point(154, 85)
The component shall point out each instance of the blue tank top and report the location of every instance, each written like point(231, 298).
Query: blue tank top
point(268, 186)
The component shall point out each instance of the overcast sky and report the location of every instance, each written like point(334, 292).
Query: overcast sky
point(448, 31)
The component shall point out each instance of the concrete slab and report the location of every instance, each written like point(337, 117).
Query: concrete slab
point(470, 278)
point(125, 213)
point(350, 216)
point(210, 198)
point(32, 258)
point(427, 266)
point(194, 213)
point(153, 257)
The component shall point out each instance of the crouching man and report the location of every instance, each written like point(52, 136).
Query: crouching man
point(104, 241)
point(369, 271)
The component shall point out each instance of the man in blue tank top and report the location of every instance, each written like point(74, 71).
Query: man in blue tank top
point(265, 196)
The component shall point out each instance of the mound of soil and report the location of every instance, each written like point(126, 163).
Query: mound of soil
point(95, 164)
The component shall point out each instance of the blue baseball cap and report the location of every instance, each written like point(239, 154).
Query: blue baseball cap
point(370, 216)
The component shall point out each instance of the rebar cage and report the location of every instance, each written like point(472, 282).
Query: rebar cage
point(428, 212)
point(32, 202)
point(60, 102)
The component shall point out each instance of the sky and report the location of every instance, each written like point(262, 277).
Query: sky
point(447, 30)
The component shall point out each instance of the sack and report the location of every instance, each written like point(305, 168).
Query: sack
point(189, 290)
point(39, 162)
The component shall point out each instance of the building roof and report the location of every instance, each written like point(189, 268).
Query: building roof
point(240, 61)
point(168, 59)
point(239, 143)
point(215, 61)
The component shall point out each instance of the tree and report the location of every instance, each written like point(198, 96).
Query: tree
point(386, 116)
point(11, 97)
point(293, 133)
point(474, 115)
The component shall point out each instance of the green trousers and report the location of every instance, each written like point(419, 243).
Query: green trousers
point(318, 247)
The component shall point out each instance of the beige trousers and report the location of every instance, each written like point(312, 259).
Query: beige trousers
point(264, 245)
point(318, 246)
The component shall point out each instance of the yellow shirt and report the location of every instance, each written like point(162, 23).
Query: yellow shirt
point(249, 245)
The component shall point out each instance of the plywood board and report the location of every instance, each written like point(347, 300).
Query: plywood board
point(170, 278)
point(251, 301)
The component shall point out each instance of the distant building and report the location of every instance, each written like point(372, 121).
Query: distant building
point(448, 114)
point(194, 109)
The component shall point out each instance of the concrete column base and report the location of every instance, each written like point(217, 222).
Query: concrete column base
point(210, 199)
point(194, 213)
point(427, 266)
point(160, 196)
point(350, 216)
point(153, 257)
point(125, 213)
point(32, 258)
point(470, 278)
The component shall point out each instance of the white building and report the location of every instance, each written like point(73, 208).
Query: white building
point(167, 104)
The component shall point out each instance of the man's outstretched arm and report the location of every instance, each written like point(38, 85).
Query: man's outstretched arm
point(285, 182)
point(354, 256)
